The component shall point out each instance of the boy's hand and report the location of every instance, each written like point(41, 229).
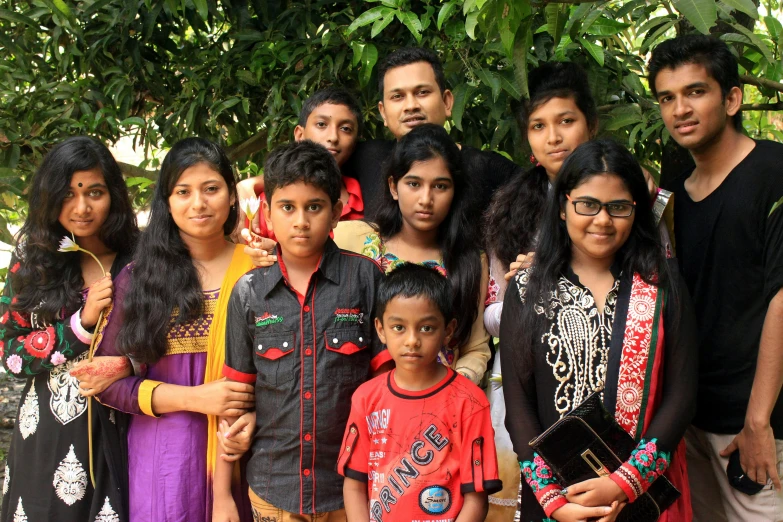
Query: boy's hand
point(223, 398)
point(100, 373)
point(224, 509)
point(235, 439)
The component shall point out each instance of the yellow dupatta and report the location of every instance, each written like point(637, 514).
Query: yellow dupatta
point(216, 348)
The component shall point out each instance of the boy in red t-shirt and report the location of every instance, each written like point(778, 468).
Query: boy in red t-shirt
point(419, 444)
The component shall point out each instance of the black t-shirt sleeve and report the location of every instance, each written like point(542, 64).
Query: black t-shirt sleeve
point(519, 388)
point(680, 373)
point(773, 243)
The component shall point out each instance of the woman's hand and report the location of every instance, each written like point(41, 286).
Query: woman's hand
point(100, 373)
point(576, 513)
point(600, 491)
point(98, 297)
point(222, 398)
point(224, 509)
point(235, 439)
point(259, 248)
point(523, 261)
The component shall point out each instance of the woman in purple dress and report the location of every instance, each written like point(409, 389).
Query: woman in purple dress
point(168, 314)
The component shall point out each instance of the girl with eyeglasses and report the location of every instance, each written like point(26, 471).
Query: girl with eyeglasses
point(600, 310)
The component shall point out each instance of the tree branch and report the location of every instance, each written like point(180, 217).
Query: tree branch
point(762, 82)
point(251, 145)
point(133, 171)
point(762, 107)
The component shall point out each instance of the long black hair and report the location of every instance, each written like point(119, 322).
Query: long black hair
point(641, 254)
point(511, 221)
point(49, 281)
point(456, 236)
point(164, 276)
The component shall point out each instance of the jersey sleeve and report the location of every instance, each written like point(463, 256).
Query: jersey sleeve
point(28, 350)
point(239, 365)
point(355, 450)
point(479, 460)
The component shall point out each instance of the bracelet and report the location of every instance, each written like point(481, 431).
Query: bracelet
point(81, 333)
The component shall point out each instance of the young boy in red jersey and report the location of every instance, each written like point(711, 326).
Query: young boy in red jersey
point(419, 444)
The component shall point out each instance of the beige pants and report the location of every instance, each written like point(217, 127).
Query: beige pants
point(263, 511)
point(713, 499)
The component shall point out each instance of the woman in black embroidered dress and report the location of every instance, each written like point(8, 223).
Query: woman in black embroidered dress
point(50, 302)
point(588, 316)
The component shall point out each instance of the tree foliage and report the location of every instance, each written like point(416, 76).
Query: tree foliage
point(238, 70)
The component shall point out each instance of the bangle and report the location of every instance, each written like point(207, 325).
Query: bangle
point(76, 325)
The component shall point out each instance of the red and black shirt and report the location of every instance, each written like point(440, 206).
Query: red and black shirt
point(306, 355)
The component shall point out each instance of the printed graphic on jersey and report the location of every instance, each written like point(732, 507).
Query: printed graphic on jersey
point(435, 500)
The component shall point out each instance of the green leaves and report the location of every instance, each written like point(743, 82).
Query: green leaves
point(701, 13)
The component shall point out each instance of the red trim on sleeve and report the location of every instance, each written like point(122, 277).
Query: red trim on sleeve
point(630, 481)
point(380, 359)
point(551, 499)
point(235, 375)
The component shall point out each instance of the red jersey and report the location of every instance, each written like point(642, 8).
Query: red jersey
point(420, 452)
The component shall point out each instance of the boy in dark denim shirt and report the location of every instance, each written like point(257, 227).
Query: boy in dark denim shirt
point(301, 331)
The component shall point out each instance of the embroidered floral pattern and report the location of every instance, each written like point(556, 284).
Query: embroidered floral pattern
point(58, 358)
point(39, 344)
point(65, 402)
point(537, 473)
point(29, 414)
point(635, 355)
point(107, 514)
point(577, 341)
point(19, 514)
point(14, 363)
point(374, 248)
point(492, 291)
point(644, 466)
point(70, 479)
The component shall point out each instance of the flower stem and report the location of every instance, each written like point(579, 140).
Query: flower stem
point(96, 260)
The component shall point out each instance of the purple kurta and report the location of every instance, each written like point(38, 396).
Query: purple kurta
point(166, 454)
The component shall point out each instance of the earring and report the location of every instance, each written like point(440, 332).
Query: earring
point(532, 159)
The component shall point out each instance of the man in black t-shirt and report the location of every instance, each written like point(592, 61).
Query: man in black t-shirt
point(413, 91)
point(729, 240)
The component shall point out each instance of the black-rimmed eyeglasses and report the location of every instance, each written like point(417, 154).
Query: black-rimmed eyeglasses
point(592, 207)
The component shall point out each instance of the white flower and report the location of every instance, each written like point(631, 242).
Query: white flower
point(250, 207)
point(68, 245)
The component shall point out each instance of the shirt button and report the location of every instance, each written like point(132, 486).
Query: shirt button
point(285, 345)
point(335, 340)
point(306, 473)
point(353, 430)
point(360, 339)
point(308, 395)
point(308, 437)
point(348, 449)
point(306, 308)
point(308, 351)
point(477, 462)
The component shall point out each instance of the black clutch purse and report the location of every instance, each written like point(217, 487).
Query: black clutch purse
point(588, 442)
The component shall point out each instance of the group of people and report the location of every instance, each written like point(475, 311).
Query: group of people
point(329, 366)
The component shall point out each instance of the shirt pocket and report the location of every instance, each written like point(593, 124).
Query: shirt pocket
point(274, 357)
point(347, 355)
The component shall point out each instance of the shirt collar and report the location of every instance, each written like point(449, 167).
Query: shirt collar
point(328, 266)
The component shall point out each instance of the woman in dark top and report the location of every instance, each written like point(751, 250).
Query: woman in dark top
point(50, 304)
point(589, 316)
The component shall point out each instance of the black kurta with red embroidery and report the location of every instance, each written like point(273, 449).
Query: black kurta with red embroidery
point(47, 474)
